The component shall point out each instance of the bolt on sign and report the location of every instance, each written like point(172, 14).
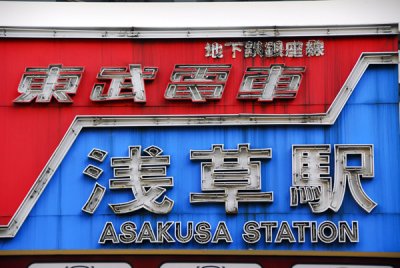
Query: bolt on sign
point(264, 142)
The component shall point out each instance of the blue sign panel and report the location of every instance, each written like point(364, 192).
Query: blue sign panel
point(285, 187)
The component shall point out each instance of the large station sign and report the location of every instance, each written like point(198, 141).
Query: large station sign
point(248, 142)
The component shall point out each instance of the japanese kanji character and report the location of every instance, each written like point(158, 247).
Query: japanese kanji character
point(44, 83)
point(274, 49)
point(294, 49)
point(197, 82)
point(315, 48)
point(126, 83)
point(231, 176)
point(311, 176)
point(146, 177)
point(268, 83)
point(235, 47)
point(214, 50)
point(252, 49)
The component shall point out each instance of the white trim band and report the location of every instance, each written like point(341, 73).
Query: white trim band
point(225, 32)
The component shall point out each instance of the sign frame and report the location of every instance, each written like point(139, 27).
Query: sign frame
point(82, 122)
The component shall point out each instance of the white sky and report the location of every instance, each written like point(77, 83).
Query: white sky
point(210, 14)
